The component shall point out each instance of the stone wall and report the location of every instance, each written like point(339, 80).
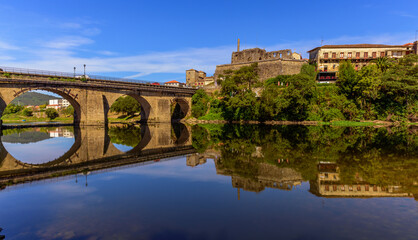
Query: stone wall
point(257, 54)
point(267, 68)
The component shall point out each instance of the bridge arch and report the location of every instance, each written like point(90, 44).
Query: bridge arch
point(180, 108)
point(62, 93)
point(5, 156)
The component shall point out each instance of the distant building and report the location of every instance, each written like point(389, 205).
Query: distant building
point(174, 83)
point(196, 78)
point(328, 57)
point(58, 103)
point(59, 132)
point(270, 64)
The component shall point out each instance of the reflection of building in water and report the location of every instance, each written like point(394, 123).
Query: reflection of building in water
point(195, 159)
point(61, 132)
point(329, 184)
point(257, 176)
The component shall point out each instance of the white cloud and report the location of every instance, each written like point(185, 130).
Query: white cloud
point(68, 42)
point(7, 46)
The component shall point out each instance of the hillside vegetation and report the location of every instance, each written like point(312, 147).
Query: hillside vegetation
point(384, 90)
point(33, 98)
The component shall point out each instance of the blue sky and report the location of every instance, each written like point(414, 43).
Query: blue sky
point(159, 40)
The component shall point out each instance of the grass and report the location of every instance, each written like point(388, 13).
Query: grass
point(16, 118)
point(212, 116)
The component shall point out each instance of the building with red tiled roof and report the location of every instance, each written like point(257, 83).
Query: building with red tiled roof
point(174, 83)
point(328, 57)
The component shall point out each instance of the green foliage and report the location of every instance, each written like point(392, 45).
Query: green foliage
point(309, 70)
point(347, 79)
point(68, 111)
point(6, 75)
point(239, 101)
point(28, 112)
point(274, 81)
point(127, 105)
point(13, 108)
point(126, 135)
point(51, 113)
point(200, 102)
point(384, 89)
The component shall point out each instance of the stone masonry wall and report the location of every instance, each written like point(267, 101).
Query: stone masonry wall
point(267, 68)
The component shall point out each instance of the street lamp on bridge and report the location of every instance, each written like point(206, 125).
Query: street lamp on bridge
point(74, 72)
point(84, 70)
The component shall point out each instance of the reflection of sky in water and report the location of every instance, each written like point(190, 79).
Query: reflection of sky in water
point(168, 200)
point(39, 152)
point(123, 148)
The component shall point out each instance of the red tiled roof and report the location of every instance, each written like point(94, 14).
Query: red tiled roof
point(363, 45)
point(173, 81)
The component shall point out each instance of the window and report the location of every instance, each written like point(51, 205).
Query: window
point(334, 55)
point(326, 69)
point(366, 188)
point(334, 187)
point(366, 55)
point(341, 55)
point(349, 55)
point(382, 54)
point(357, 55)
point(325, 55)
point(373, 54)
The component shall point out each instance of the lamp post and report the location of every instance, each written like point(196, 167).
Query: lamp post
point(84, 70)
point(74, 72)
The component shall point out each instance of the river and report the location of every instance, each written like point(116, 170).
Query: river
point(162, 181)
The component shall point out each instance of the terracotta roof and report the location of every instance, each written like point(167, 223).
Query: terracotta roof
point(363, 45)
point(173, 81)
point(409, 44)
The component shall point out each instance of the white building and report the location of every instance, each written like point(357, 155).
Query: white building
point(174, 83)
point(58, 103)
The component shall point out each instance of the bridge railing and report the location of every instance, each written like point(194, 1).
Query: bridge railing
point(46, 73)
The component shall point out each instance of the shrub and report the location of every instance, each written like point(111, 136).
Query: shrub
point(51, 113)
point(28, 112)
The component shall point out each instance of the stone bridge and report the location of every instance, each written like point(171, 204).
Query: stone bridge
point(93, 145)
point(92, 98)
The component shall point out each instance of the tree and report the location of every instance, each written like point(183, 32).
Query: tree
point(200, 102)
point(347, 79)
point(308, 70)
point(239, 101)
point(51, 113)
point(127, 105)
point(383, 63)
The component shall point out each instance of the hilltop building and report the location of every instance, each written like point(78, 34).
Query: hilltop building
point(58, 103)
point(327, 57)
point(195, 78)
point(270, 64)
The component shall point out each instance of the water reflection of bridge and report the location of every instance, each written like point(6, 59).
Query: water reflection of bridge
point(93, 150)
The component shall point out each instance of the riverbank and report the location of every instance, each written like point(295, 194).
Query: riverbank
point(35, 119)
point(193, 121)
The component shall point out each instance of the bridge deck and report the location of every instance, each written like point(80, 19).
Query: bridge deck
point(25, 76)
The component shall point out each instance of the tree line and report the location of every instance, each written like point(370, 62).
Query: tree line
point(384, 90)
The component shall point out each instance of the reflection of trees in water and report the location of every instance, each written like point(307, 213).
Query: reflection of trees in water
point(127, 135)
point(383, 156)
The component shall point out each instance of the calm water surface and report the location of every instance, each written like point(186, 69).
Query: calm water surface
point(209, 182)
